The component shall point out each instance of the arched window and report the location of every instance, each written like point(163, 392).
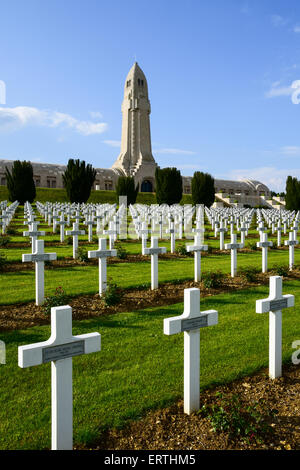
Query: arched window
point(146, 187)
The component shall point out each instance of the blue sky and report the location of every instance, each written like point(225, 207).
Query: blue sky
point(220, 75)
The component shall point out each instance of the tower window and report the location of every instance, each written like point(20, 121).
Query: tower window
point(140, 82)
point(128, 83)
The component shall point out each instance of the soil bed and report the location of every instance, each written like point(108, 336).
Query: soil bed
point(171, 429)
point(19, 316)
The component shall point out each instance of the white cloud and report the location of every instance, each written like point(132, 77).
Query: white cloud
point(296, 29)
point(96, 115)
point(173, 151)
point(112, 143)
point(273, 177)
point(278, 20)
point(291, 150)
point(277, 90)
point(15, 118)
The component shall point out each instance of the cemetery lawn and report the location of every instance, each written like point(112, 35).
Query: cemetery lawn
point(138, 369)
point(81, 280)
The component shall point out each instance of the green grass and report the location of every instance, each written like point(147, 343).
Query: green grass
point(20, 286)
point(100, 197)
point(138, 368)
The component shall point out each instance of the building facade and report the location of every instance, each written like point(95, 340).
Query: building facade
point(136, 159)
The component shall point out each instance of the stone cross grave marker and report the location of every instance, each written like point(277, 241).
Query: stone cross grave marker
point(39, 257)
point(274, 305)
point(75, 232)
point(233, 247)
point(171, 231)
point(62, 224)
point(112, 233)
point(102, 253)
point(197, 248)
point(190, 323)
point(90, 224)
point(291, 242)
point(2, 353)
point(264, 244)
point(34, 233)
point(144, 233)
point(243, 230)
point(278, 230)
point(154, 251)
point(221, 230)
point(59, 350)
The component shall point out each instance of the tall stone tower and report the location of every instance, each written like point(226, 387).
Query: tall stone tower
point(136, 157)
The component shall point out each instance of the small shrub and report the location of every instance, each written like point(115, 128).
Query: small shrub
point(212, 279)
point(4, 240)
point(82, 254)
point(250, 274)
point(69, 241)
point(247, 422)
point(209, 249)
point(281, 270)
point(57, 299)
point(181, 250)
point(121, 250)
point(3, 261)
point(11, 231)
point(252, 246)
point(113, 295)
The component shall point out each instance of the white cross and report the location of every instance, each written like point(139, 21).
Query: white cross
point(144, 233)
point(222, 231)
point(291, 244)
point(112, 233)
point(233, 246)
point(59, 350)
point(154, 251)
point(190, 323)
point(102, 253)
point(171, 231)
point(274, 305)
point(197, 248)
point(90, 224)
point(264, 244)
point(34, 234)
point(2, 353)
point(62, 224)
point(243, 231)
point(279, 230)
point(75, 232)
point(39, 257)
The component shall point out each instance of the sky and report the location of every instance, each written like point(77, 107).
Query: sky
point(222, 79)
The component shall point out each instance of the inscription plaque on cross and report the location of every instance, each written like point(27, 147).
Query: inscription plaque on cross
point(274, 305)
point(59, 350)
point(190, 323)
point(102, 253)
point(39, 257)
point(197, 248)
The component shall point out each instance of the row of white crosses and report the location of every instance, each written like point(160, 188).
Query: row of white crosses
point(62, 346)
point(6, 214)
point(193, 319)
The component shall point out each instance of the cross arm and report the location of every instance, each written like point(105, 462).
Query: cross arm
point(273, 305)
point(179, 324)
point(196, 248)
